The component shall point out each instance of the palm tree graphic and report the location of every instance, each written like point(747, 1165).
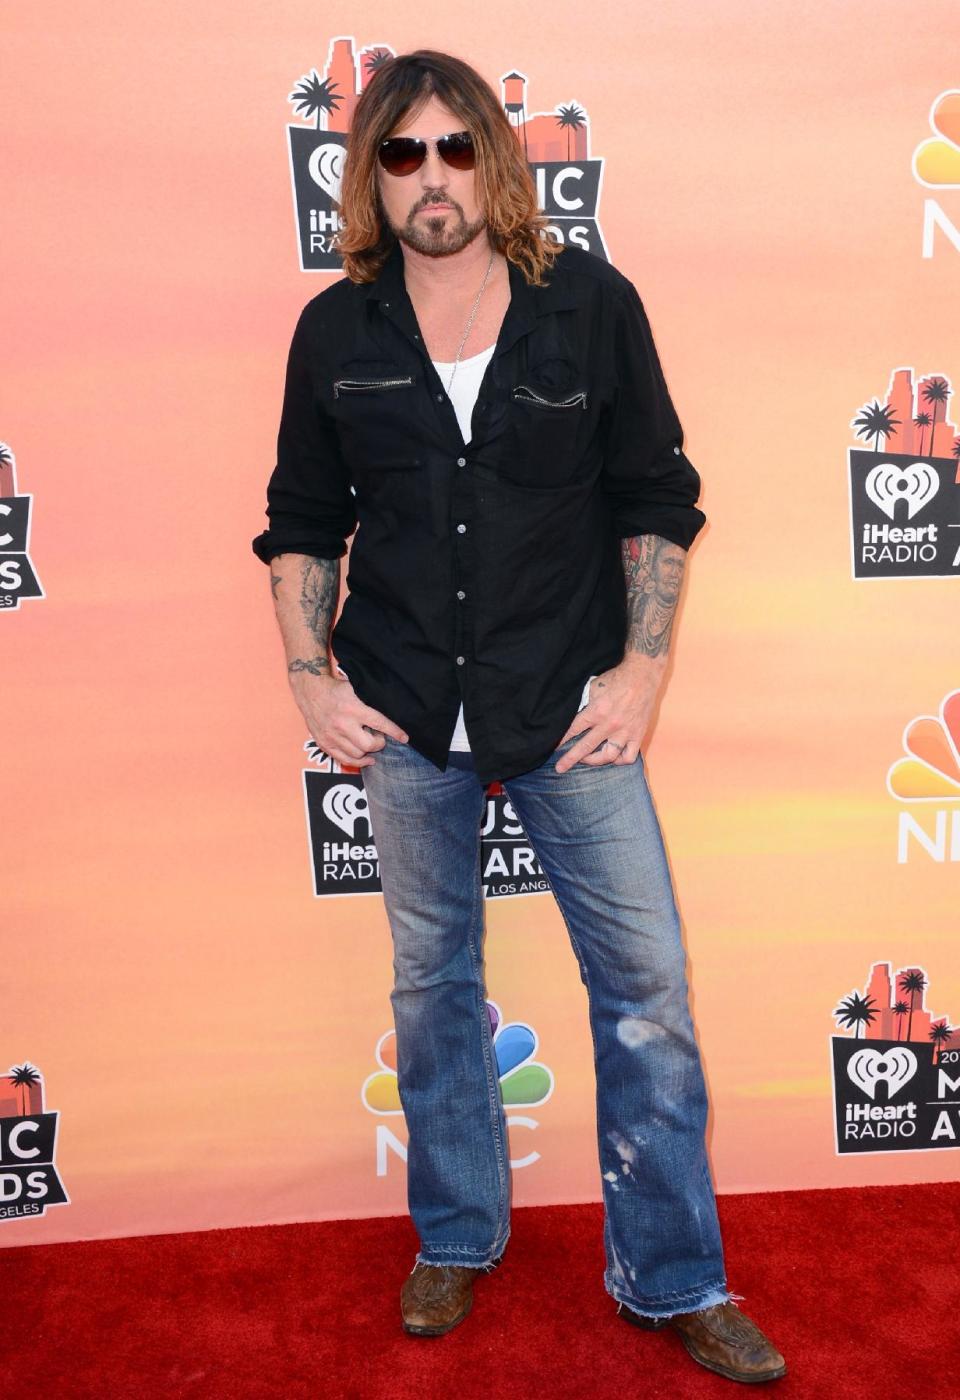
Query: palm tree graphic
point(936, 391)
point(375, 60)
point(912, 982)
point(921, 421)
point(900, 1010)
point(6, 458)
point(940, 1033)
point(572, 118)
point(314, 94)
point(856, 1010)
point(22, 1076)
point(955, 449)
point(875, 419)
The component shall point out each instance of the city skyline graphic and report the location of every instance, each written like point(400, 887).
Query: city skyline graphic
point(21, 1091)
point(891, 1008)
point(8, 470)
point(328, 103)
point(913, 419)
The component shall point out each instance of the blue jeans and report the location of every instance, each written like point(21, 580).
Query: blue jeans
point(596, 834)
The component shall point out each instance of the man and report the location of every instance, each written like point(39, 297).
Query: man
point(506, 448)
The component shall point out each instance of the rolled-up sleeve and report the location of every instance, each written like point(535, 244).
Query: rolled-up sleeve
point(652, 486)
point(310, 506)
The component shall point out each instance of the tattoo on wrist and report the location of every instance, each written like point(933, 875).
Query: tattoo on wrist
point(316, 665)
point(653, 569)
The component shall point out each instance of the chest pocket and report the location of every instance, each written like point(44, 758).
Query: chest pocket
point(551, 411)
point(373, 403)
point(370, 386)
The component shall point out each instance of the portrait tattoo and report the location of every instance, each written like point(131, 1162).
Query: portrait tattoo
point(653, 569)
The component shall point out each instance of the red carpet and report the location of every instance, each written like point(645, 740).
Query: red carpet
point(859, 1289)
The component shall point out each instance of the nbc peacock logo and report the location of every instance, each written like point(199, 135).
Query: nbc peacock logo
point(927, 778)
point(936, 166)
point(524, 1083)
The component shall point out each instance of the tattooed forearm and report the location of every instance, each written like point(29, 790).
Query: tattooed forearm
point(319, 586)
point(653, 568)
point(305, 592)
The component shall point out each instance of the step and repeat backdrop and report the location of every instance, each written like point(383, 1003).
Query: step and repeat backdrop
point(195, 1027)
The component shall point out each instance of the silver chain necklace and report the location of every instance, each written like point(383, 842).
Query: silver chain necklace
point(470, 322)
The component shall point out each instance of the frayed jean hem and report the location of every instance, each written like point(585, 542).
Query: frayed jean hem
point(691, 1301)
point(464, 1256)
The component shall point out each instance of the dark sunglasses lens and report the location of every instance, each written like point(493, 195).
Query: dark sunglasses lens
point(401, 155)
point(457, 150)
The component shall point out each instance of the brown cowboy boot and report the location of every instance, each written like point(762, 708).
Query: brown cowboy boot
point(723, 1339)
point(435, 1297)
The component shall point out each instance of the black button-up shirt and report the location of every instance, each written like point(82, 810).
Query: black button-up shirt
point(488, 573)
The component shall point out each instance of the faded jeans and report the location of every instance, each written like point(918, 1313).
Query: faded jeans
point(596, 834)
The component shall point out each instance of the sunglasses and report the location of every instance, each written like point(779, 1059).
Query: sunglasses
point(402, 155)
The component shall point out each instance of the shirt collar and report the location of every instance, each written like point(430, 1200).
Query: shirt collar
point(526, 300)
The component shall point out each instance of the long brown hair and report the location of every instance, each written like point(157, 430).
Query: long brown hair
point(507, 195)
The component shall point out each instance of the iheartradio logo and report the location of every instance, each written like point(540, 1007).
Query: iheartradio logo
point(869, 1068)
point(905, 486)
point(886, 484)
point(897, 1041)
point(345, 805)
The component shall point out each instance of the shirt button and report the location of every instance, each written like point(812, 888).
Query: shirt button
point(461, 461)
point(460, 660)
point(460, 594)
point(439, 398)
point(461, 529)
point(677, 451)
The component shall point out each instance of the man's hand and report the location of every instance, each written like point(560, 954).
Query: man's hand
point(618, 714)
point(338, 721)
point(622, 699)
point(305, 592)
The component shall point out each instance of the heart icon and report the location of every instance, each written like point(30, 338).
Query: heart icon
point(886, 484)
point(326, 168)
point(868, 1067)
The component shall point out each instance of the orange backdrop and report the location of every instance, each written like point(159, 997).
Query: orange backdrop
point(203, 1024)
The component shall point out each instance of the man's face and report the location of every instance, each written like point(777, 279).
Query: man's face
point(435, 210)
point(668, 572)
